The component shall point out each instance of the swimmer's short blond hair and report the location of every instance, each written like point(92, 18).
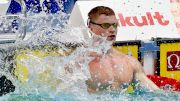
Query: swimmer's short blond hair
point(97, 11)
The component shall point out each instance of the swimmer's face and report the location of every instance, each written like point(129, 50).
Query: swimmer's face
point(105, 26)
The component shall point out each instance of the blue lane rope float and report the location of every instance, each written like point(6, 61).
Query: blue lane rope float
point(14, 7)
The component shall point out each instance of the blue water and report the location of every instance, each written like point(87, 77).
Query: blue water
point(108, 96)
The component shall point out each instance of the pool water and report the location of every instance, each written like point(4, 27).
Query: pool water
point(108, 96)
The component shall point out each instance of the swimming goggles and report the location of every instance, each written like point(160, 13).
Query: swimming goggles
point(106, 25)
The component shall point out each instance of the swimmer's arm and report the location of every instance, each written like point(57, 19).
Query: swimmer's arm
point(146, 82)
point(141, 76)
point(72, 65)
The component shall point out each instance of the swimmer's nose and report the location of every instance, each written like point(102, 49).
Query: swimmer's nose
point(112, 30)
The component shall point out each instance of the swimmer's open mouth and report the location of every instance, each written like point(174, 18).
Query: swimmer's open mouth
point(111, 37)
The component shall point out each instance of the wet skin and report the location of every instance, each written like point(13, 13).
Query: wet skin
point(113, 68)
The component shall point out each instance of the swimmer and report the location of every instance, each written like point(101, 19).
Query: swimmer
point(113, 69)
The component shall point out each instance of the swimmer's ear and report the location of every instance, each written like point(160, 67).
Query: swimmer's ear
point(88, 22)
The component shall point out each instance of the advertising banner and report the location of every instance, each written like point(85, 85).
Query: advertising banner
point(138, 19)
point(170, 59)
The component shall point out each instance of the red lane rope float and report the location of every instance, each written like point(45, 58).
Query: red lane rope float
point(165, 83)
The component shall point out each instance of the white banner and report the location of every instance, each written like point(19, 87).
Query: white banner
point(139, 19)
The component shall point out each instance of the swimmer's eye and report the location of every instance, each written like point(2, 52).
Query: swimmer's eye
point(106, 25)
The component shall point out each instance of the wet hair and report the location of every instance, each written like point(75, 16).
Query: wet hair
point(97, 11)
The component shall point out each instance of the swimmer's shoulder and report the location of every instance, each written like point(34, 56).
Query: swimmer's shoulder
point(121, 54)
